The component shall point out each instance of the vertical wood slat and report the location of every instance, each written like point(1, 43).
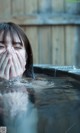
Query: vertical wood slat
point(5, 8)
point(58, 5)
point(77, 47)
point(58, 55)
point(30, 6)
point(17, 7)
point(44, 39)
point(70, 44)
point(71, 7)
point(31, 32)
point(32, 35)
point(44, 6)
point(44, 35)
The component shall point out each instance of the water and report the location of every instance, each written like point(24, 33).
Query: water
point(17, 109)
point(41, 105)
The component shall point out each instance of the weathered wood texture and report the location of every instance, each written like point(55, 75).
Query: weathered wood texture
point(51, 26)
point(58, 45)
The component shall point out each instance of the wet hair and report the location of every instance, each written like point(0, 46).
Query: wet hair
point(13, 28)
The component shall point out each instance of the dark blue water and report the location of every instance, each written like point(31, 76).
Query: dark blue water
point(42, 105)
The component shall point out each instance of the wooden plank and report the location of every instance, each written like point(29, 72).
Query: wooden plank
point(58, 55)
point(77, 46)
point(45, 45)
point(5, 8)
point(17, 7)
point(46, 19)
point(58, 5)
point(70, 45)
point(44, 6)
point(72, 7)
point(32, 35)
point(30, 6)
point(44, 33)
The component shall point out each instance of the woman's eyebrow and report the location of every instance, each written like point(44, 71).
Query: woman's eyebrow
point(14, 42)
point(1, 41)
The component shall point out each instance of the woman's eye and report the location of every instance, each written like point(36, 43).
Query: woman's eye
point(17, 47)
point(1, 46)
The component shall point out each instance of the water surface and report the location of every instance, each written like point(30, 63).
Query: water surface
point(54, 101)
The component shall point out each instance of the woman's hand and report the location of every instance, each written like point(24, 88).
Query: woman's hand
point(4, 66)
point(17, 64)
point(11, 65)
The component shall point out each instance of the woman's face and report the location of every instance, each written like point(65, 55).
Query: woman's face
point(12, 56)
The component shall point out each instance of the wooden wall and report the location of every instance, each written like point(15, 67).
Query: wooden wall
point(52, 27)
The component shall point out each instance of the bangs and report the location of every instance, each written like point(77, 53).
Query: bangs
point(14, 32)
point(3, 33)
point(5, 29)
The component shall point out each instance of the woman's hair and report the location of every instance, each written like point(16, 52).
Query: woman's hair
point(13, 28)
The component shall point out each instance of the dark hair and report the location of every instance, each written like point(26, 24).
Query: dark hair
point(14, 28)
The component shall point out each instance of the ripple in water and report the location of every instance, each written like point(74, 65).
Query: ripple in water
point(45, 104)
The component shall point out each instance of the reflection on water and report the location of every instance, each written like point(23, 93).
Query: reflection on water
point(41, 105)
point(17, 108)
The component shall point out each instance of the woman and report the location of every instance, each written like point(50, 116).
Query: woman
point(15, 52)
point(17, 112)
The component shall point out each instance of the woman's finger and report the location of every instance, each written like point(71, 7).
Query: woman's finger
point(18, 62)
point(4, 64)
point(2, 59)
point(7, 70)
point(22, 64)
point(12, 70)
point(21, 59)
point(19, 69)
point(14, 60)
point(22, 54)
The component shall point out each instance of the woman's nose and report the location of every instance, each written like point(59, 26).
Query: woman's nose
point(9, 49)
